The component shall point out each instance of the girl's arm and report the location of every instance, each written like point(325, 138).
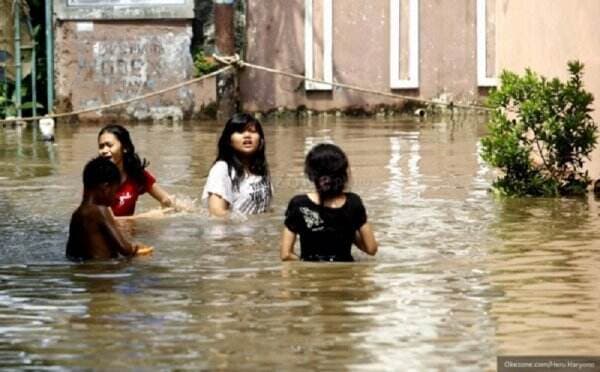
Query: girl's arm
point(161, 195)
point(217, 206)
point(288, 239)
point(365, 240)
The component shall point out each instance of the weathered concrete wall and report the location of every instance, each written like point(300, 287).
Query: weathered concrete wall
point(104, 62)
point(361, 53)
point(544, 35)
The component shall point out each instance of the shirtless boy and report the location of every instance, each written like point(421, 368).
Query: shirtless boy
point(93, 233)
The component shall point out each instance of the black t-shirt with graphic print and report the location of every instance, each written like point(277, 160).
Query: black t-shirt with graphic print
point(326, 234)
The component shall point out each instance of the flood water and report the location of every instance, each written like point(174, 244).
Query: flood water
point(461, 276)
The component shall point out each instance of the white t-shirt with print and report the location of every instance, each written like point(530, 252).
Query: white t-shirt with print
point(253, 196)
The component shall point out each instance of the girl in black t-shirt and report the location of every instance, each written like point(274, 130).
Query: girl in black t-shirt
point(328, 220)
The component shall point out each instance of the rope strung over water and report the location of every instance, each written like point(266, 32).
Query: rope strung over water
point(124, 102)
point(235, 62)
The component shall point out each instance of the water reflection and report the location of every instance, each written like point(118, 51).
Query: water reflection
point(460, 277)
point(546, 267)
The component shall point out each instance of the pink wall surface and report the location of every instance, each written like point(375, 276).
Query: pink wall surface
point(361, 53)
point(544, 35)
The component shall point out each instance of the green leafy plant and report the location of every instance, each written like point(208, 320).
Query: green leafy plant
point(8, 99)
point(540, 133)
point(204, 64)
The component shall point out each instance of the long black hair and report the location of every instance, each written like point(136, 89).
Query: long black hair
point(132, 164)
point(238, 123)
point(326, 166)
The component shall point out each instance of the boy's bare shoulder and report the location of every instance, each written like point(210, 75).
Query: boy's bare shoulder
point(90, 213)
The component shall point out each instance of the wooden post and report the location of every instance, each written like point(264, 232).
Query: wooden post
point(227, 88)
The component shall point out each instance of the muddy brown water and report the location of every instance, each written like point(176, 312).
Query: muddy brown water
point(461, 275)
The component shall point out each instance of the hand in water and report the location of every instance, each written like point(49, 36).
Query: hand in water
point(182, 204)
point(143, 250)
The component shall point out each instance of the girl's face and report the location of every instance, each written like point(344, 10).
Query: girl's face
point(247, 142)
point(109, 147)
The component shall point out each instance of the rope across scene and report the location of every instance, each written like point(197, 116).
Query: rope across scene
point(369, 91)
point(235, 62)
point(124, 102)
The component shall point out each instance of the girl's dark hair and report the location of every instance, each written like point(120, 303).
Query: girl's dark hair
point(238, 123)
point(133, 165)
point(326, 166)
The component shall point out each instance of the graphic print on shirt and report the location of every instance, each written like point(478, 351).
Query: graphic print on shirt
point(258, 199)
point(312, 219)
point(124, 197)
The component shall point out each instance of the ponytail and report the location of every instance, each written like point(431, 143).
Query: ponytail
point(326, 166)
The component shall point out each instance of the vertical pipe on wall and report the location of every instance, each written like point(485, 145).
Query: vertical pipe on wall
point(18, 65)
point(49, 56)
point(227, 99)
point(224, 29)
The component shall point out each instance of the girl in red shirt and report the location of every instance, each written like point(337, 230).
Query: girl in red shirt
point(114, 143)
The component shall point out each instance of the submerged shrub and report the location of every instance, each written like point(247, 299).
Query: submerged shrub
point(540, 133)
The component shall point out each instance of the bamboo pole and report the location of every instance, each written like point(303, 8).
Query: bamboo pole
point(49, 57)
point(18, 65)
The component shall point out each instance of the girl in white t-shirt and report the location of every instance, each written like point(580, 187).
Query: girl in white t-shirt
point(239, 179)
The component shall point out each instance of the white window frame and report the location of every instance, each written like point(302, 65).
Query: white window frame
point(482, 79)
point(413, 46)
point(327, 46)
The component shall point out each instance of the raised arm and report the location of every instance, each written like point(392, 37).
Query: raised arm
point(365, 239)
point(288, 238)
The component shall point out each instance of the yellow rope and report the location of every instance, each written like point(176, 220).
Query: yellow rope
point(120, 103)
point(235, 62)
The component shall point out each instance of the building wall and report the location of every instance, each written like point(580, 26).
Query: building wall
point(102, 58)
point(447, 60)
point(545, 35)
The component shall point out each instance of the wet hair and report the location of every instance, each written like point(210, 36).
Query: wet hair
point(597, 187)
point(132, 164)
point(326, 166)
point(238, 123)
point(98, 171)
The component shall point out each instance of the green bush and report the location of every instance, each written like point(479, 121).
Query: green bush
point(541, 132)
point(204, 64)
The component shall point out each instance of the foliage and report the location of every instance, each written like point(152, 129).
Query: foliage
point(204, 64)
point(541, 132)
point(35, 13)
point(8, 99)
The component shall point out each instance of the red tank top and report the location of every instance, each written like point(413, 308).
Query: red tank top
point(127, 195)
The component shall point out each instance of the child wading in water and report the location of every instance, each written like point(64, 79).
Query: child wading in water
point(328, 220)
point(93, 233)
point(114, 143)
point(239, 179)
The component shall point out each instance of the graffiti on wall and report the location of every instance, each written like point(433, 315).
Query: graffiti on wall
point(124, 61)
point(128, 68)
